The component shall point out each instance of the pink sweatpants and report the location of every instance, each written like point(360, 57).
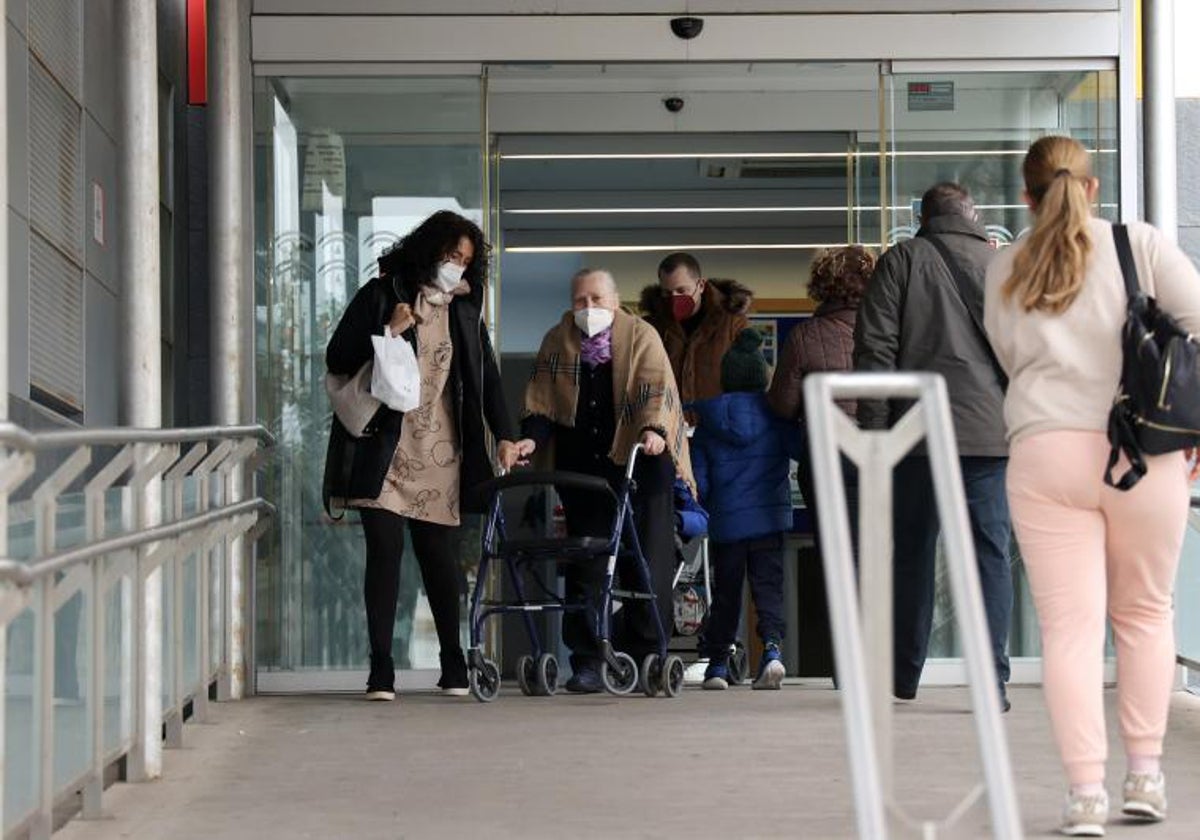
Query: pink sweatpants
point(1090, 550)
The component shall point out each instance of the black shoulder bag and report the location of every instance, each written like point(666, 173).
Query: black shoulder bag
point(961, 282)
point(1157, 409)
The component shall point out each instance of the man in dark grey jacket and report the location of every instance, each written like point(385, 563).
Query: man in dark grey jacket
point(916, 316)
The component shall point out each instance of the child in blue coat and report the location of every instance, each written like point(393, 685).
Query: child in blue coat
point(740, 454)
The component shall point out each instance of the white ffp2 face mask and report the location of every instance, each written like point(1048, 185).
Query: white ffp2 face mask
point(449, 275)
point(593, 320)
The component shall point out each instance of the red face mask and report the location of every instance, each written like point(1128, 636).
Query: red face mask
point(682, 307)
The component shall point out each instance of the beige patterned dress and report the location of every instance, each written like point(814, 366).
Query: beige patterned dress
point(422, 482)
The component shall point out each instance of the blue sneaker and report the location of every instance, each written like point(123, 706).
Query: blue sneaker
point(770, 670)
point(716, 676)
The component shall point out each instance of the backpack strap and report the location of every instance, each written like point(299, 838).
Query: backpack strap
point(1123, 438)
point(961, 283)
point(1133, 288)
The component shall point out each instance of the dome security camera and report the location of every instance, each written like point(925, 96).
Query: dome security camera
point(687, 28)
point(674, 104)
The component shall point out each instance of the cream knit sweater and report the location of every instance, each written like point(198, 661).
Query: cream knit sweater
point(1064, 369)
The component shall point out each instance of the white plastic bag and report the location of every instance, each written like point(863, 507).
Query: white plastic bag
point(396, 378)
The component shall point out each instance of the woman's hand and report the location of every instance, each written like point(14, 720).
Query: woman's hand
point(514, 454)
point(402, 319)
point(653, 443)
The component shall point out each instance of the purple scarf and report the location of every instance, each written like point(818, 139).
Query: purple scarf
point(595, 350)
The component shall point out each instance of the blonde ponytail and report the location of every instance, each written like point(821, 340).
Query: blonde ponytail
point(1048, 270)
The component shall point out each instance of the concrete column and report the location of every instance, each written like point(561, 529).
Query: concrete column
point(230, 265)
point(3, 258)
point(1158, 114)
point(141, 328)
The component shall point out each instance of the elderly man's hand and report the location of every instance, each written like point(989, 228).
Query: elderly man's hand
point(512, 454)
point(653, 443)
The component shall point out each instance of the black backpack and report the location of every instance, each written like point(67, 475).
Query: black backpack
point(1157, 409)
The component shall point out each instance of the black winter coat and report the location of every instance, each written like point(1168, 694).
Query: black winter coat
point(913, 318)
point(356, 468)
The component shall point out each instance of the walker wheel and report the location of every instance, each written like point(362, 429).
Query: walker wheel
point(547, 675)
point(650, 675)
point(485, 681)
point(739, 664)
point(527, 676)
point(671, 678)
point(622, 679)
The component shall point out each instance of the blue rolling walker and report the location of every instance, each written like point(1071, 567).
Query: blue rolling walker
point(537, 672)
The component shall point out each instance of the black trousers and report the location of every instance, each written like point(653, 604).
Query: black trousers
point(634, 631)
point(436, 548)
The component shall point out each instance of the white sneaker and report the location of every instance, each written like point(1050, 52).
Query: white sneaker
point(771, 676)
point(457, 691)
point(1145, 796)
point(1084, 815)
point(381, 695)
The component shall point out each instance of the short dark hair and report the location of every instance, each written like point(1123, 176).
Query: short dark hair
point(414, 260)
point(947, 199)
point(671, 262)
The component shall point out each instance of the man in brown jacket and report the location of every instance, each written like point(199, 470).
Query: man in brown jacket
point(698, 320)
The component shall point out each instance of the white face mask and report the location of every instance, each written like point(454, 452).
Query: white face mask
point(449, 275)
point(593, 320)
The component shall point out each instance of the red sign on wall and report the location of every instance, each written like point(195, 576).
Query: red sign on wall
point(197, 46)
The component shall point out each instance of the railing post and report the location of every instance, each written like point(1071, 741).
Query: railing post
point(145, 760)
point(868, 721)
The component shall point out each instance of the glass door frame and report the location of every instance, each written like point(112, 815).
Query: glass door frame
point(941, 671)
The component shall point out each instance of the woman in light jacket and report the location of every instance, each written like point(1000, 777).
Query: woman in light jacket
point(420, 467)
point(1054, 308)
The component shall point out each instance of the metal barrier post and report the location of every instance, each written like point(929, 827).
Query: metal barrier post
point(866, 694)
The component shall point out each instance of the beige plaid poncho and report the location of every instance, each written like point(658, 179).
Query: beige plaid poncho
point(644, 390)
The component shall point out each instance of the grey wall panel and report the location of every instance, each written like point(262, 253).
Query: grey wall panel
point(335, 38)
point(56, 36)
point(101, 339)
point(1188, 134)
point(1189, 240)
point(17, 121)
point(17, 329)
point(17, 11)
point(56, 162)
point(608, 7)
point(56, 322)
point(100, 76)
point(100, 165)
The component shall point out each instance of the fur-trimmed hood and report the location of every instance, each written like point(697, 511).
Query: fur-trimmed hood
point(730, 295)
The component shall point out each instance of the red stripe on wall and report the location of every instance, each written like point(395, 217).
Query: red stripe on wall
point(197, 40)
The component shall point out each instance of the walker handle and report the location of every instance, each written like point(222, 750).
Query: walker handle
point(633, 453)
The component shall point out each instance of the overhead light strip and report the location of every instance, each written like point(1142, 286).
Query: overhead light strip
point(771, 155)
point(612, 211)
point(613, 249)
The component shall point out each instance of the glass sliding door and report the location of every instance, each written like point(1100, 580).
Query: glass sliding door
point(344, 168)
point(974, 128)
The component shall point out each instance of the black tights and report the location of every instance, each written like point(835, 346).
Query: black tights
point(436, 549)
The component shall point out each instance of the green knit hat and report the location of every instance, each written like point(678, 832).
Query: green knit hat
point(743, 367)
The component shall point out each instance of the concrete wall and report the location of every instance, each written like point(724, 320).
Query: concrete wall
point(100, 144)
point(1188, 134)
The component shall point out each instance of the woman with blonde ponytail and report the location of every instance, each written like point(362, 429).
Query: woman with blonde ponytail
point(1054, 307)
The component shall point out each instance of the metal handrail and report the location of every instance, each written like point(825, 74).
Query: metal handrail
point(24, 573)
point(24, 439)
point(143, 568)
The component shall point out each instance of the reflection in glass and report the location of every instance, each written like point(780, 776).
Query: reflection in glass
point(345, 168)
point(974, 128)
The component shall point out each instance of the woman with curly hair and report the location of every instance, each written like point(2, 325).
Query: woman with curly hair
point(823, 343)
point(420, 467)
